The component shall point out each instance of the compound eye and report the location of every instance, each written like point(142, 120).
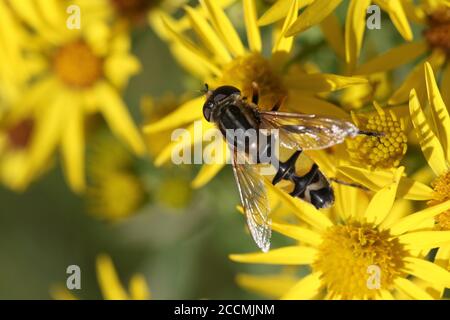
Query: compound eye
point(207, 110)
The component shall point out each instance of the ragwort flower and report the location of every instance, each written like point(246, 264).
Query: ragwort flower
point(81, 72)
point(364, 236)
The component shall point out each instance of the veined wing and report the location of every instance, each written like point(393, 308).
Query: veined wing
point(307, 132)
point(254, 200)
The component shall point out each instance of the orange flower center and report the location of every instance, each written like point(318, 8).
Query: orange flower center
point(379, 152)
point(438, 32)
point(441, 188)
point(77, 65)
point(243, 71)
point(19, 135)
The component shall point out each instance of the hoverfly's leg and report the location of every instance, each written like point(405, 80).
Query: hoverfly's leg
point(371, 133)
point(300, 183)
point(345, 183)
point(255, 93)
point(277, 105)
point(286, 169)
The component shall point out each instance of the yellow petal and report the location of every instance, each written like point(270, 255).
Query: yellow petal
point(251, 25)
point(322, 82)
point(186, 113)
point(206, 174)
point(411, 289)
point(191, 47)
point(284, 44)
point(52, 12)
point(393, 58)
point(295, 255)
point(272, 286)
point(425, 239)
point(303, 210)
point(446, 84)
point(192, 63)
point(195, 135)
point(375, 180)
point(298, 233)
point(381, 203)
point(207, 34)
point(439, 111)
point(276, 12)
point(351, 202)
point(118, 118)
point(400, 209)
point(429, 143)
point(415, 80)
point(73, 145)
point(307, 103)
point(312, 15)
point(355, 25)
point(427, 271)
point(332, 32)
point(118, 68)
point(108, 280)
point(223, 27)
point(411, 221)
point(138, 288)
point(398, 17)
point(47, 134)
point(305, 289)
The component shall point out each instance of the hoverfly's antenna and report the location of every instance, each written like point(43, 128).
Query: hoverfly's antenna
point(349, 184)
point(205, 89)
point(371, 133)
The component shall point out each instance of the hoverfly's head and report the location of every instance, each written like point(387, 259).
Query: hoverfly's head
point(215, 98)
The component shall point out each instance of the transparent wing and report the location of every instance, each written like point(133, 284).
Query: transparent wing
point(307, 132)
point(254, 200)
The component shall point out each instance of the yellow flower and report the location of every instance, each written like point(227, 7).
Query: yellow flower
point(433, 135)
point(434, 16)
point(110, 285)
point(114, 191)
point(81, 72)
point(221, 58)
point(320, 12)
point(365, 237)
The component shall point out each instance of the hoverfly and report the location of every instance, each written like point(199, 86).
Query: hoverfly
point(229, 110)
